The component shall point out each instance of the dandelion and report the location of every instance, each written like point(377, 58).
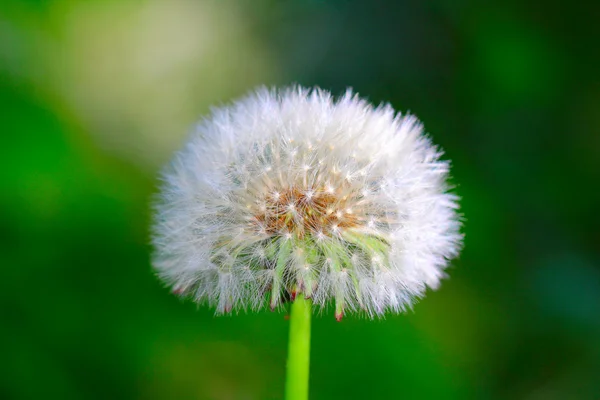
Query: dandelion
point(294, 196)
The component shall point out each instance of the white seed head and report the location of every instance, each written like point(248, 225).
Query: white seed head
point(292, 191)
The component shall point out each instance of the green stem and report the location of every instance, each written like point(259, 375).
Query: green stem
point(296, 385)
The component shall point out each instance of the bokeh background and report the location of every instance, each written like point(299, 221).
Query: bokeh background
point(96, 95)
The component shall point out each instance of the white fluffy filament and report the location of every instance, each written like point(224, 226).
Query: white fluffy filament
point(287, 191)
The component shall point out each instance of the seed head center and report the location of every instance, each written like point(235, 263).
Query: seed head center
point(317, 212)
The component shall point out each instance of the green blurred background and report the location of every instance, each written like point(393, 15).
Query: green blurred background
point(96, 95)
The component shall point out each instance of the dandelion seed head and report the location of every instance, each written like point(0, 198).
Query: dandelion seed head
point(287, 191)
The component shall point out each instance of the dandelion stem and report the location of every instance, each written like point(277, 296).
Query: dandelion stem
point(296, 385)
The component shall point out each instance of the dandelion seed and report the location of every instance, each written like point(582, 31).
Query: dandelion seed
point(287, 192)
